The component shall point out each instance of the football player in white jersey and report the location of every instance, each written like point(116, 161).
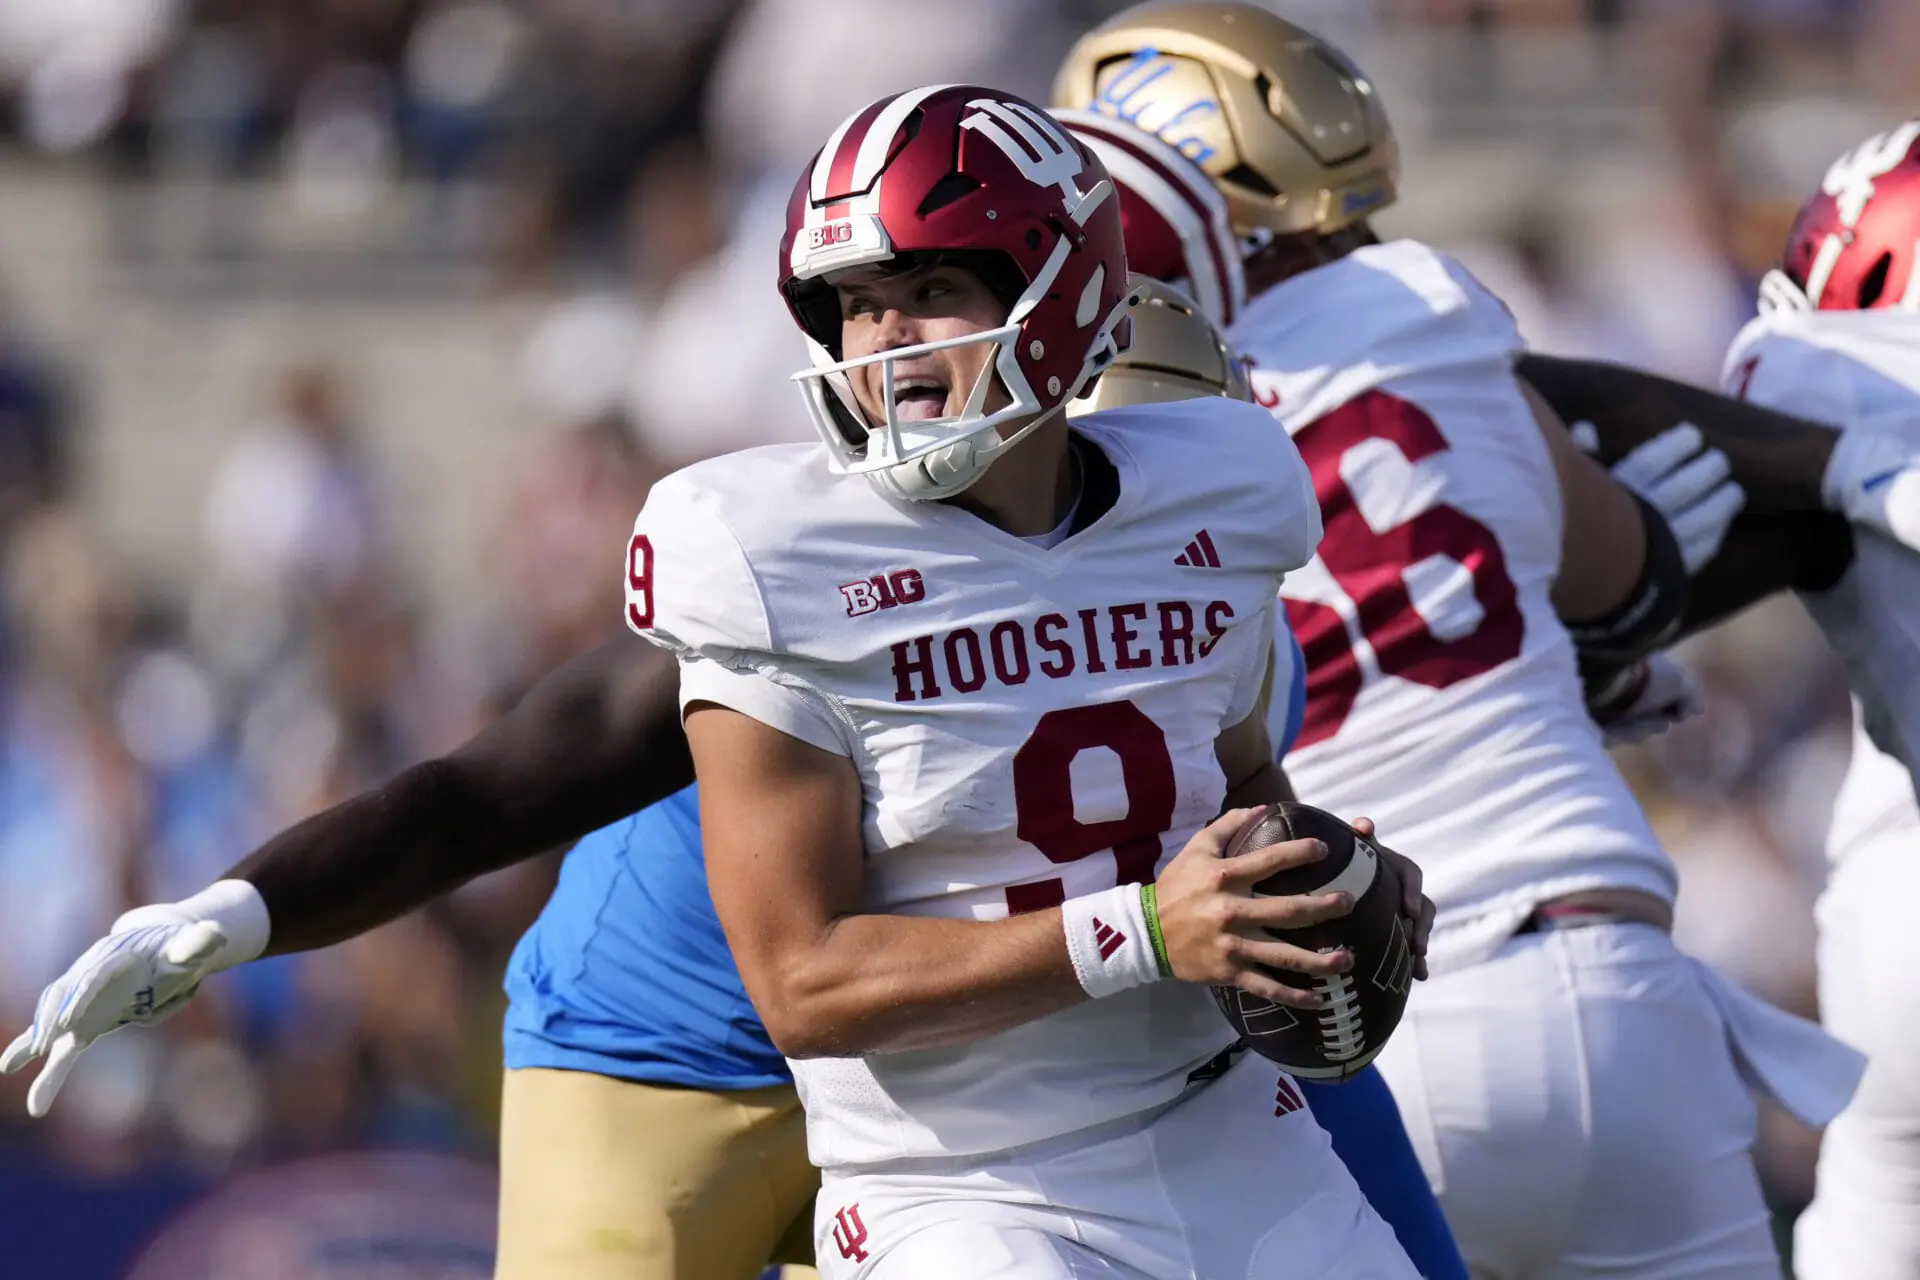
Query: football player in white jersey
point(1838, 340)
point(598, 737)
point(1576, 1084)
point(954, 695)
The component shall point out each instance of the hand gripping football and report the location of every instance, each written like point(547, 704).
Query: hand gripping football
point(1363, 1005)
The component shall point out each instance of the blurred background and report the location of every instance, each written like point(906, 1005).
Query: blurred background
point(340, 341)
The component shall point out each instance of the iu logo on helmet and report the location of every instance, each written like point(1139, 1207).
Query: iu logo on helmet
point(1850, 180)
point(1036, 144)
point(849, 1233)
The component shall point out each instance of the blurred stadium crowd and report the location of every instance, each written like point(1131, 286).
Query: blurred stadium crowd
point(340, 340)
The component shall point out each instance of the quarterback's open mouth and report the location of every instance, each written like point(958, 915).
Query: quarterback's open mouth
point(918, 401)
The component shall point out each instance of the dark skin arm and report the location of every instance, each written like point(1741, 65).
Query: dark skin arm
point(1784, 539)
point(596, 739)
point(1765, 554)
point(1777, 458)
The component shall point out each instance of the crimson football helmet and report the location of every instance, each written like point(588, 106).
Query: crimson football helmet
point(979, 178)
point(1856, 244)
point(1175, 219)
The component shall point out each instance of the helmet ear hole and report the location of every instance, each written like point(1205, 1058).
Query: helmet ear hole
point(1874, 283)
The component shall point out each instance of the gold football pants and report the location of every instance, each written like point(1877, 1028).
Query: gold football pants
point(605, 1179)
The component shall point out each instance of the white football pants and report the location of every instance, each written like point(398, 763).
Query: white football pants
point(1236, 1181)
point(1577, 1105)
point(1864, 1223)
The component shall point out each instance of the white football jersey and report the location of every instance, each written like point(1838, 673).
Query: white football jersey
point(1855, 368)
point(1442, 696)
point(1028, 724)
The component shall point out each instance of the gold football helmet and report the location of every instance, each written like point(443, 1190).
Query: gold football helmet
point(1283, 122)
point(1176, 354)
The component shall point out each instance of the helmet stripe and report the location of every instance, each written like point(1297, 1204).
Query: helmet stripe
point(819, 187)
point(1182, 194)
point(1202, 270)
point(878, 140)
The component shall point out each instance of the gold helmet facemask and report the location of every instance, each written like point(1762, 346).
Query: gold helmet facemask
point(1176, 354)
point(1287, 127)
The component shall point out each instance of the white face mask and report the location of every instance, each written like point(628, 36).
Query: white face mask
point(924, 458)
point(940, 457)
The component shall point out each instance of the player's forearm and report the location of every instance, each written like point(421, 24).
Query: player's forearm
point(1766, 554)
point(594, 740)
point(373, 858)
point(1266, 785)
point(885, 984)
point(1778, 459)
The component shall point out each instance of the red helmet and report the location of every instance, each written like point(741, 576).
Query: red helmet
point(1856, 244)
point(1175, 219)
point(979, 177)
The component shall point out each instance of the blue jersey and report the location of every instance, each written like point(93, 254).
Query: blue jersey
point(626, 972)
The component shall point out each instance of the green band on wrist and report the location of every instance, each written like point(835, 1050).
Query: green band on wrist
point(1150, 904)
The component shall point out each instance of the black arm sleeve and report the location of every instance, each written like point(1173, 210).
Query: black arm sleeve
point(1765, 554)
point(1777, 458)
point(596, 739)
point(1610, 647)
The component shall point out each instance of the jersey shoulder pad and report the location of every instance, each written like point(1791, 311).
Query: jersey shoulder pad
point(1231, 460)
point(1777, 368)
point(1845, 368)
point(1433, 309)
point(694, 577)
point(1383, 312)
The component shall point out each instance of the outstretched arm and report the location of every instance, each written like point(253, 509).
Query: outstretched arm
point(597, 738)
point(1765, 554)
point(594, 740)
point(1794, 532)
point(1780, 460)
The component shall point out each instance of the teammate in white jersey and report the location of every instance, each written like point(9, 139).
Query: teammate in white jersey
point(1576, 1083)
point(1838, 340)
point(953, 697)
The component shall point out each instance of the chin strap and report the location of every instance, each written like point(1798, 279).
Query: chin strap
point(952, 470)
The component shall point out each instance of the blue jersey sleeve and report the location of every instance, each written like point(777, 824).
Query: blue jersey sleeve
point(1362, 1119)
point(1296, 697)
point(627, 974)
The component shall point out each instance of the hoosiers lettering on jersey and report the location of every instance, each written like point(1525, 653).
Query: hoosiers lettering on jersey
point(1039, 726)
point(1123, 637)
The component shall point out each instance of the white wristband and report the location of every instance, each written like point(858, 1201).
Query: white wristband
point(1108, 941)
point(237, 907)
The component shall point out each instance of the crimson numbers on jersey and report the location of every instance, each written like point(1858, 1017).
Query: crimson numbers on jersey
point(1043, 796)
point(640, 582)
point(1370, 568)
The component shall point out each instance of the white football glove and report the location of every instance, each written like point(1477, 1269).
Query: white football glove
point(1874, 480)
point(1688, 483)
point(143, 972)
point(1669, 695)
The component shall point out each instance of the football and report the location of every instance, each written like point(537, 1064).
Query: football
point(1362, 1005)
